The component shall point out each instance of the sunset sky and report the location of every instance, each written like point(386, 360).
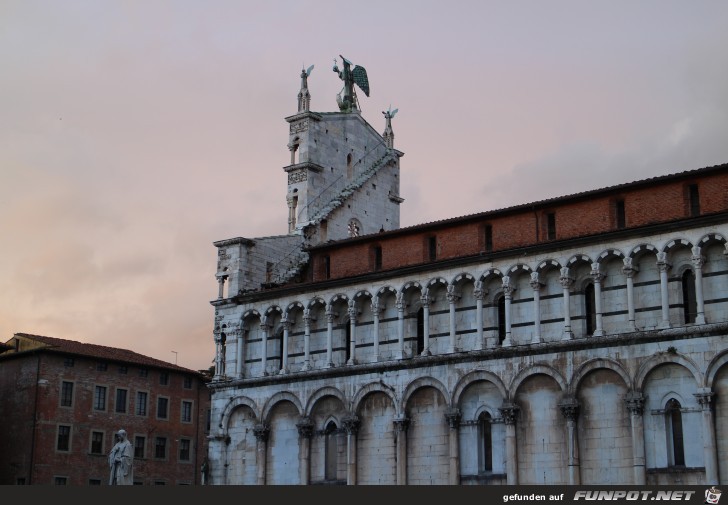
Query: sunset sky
point(133, 134)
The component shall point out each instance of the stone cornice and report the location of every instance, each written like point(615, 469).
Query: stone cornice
point(306, 165)
point(305, 114)
point(233, 241)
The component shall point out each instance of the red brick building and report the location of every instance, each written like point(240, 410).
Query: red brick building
point(63, 401)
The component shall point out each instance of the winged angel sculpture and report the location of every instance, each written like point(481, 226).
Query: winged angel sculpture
point(346, 98)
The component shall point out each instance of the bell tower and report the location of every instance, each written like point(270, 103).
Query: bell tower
point(343, 176)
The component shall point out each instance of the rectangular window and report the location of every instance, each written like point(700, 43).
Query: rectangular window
point(187, 384)
point(94, 482)
point(488, 237)
point(100, 398)
point(550, 226)
point(377, 257)
point(208, 421)
point(64, 438)
point(163, 378)
point(186, 411)
point(97, 442)
point(139, 446)
point(162, 404)
point(123, 370)
point(327, 267)
point(101, 366)
point(121, 400)
point(66, 394)
point(694, 199)
point(60, 481)
point(141, 404)
point(160, 447)
point(184, 450)
point(620, 217)
point(432, 248)
point(68, 362)
point(143, 372)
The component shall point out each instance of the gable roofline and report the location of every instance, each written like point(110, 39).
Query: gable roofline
point(92, 351)
point(540, 204)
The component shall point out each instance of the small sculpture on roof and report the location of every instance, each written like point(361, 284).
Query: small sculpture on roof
point(346, 98)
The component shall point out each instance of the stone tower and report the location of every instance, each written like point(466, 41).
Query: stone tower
point(343, 182)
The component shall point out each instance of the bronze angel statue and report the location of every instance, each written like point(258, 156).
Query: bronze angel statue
point(358, 75)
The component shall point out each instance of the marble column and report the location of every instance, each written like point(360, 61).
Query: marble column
point(597, 277)
point(710, 449)
point(425, 300)
point(240, 352)
point(305, 432)
point(284, 351)
point(220, 287)
point(264, 346)
point(566, 282)
point(478, 293)
point(635, 402)
point(570, 410)
point(351, 426)
point(375, 317)
point(536, 285)
point(306, 340)
point(629, 270)
point(452, 297)
point(452, 416)
point(291, 200)
point(698, 262)
point(509, 412)
point(663, 266)
point(400, 431)
point(400, 326)
point(329, 336)
point(508, 290)
point(219, 354)
point(352, 331)
point(261, 433)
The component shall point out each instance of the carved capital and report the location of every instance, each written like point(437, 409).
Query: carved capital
point(570, 408)
point(705, 398)
point(629, 269)
point(509, 412)
point(508, 288)
point(401, 424)
point(534, 282)
point(305, 427)
point(635, 402)
point(452, 295)
point(452, 416)
point(662, 264)
point(261, 432)
point(596, 273)
point(566, 279)
point(351, 424)
point(400, 304)
point(478, 291)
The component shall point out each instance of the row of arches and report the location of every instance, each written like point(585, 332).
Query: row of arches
point(649, 288)
point(530, 431)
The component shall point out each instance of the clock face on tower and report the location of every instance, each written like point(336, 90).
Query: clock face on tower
point(354, 228)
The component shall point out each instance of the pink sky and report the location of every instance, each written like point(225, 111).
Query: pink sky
point(134, 134)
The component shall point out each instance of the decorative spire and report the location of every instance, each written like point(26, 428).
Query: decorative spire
point(388, 133)
point(304, 97)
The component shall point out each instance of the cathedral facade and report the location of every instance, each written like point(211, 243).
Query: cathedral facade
point(578, 340)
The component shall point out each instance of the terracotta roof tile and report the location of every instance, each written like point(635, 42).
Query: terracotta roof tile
point(63, 346)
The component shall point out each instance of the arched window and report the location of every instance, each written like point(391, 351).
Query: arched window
point(420, 330)
point(690, 303)
point(590, 309)
point(501, 303)
point(331, 454)
point(485, 446)
point(674, 430)
point(349, 167)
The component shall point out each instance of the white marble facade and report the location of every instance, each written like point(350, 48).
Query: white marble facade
point(432, 380)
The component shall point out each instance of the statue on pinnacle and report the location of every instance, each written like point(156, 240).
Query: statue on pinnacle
point(346, 98)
